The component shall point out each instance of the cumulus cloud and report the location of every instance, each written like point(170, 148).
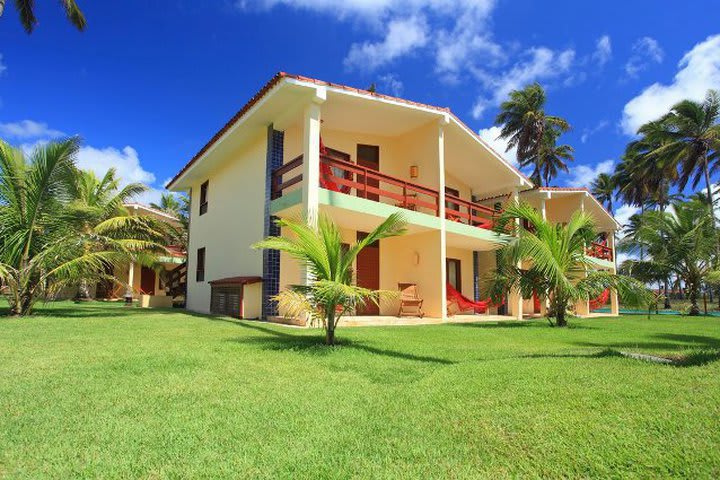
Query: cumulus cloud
point(28, 129)
point(126, 161)
point(391, 84)
point(583, 175)
point(402, 37)
point(589, 132)
point(646, 51)
point(541, 64)
point(698, 71)
point(603, 50)
point(490, 135)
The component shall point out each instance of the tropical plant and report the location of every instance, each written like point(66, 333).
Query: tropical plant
point(178, 207)
point(681, 241)
point(549, 260)
point(330, 292)
point(43, 249)
point(603, 188)
point(97, 200)
point(168, 204)
point(26, 10)
point(550, 158)
point(525, 125)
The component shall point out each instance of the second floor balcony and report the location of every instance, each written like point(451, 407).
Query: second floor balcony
point(340, 175)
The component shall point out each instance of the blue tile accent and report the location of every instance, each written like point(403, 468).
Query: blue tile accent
point(476, 276)
point(271, 258)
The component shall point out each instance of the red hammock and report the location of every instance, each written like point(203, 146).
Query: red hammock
point(598, 302)
point(464, 303)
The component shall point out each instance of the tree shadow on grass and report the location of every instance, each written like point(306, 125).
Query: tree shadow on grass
point(684, 350)
point(535, 323)
point(277, 340)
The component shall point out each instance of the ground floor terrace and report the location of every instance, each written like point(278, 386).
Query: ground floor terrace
point(100, 390)
point(446, 261)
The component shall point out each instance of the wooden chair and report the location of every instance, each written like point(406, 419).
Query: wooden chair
point(410, 301)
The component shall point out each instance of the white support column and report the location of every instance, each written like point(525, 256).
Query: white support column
point(131, 281)
point(311, 155)
point(515, 300)
point(614, 302)
point(444, 121)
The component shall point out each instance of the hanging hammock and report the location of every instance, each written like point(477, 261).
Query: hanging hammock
point(598, 302)
point(463, 303)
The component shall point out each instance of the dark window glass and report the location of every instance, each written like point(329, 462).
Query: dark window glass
point(200, 269)
point(203, 197)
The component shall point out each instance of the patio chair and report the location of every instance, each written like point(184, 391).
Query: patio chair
point(410, 301)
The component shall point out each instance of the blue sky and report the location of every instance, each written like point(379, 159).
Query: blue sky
point(148, 84)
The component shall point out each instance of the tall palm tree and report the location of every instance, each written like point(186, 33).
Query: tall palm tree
point(603, 188)
point(551, 158)
point(42, 248)
point(688, 138)
point(26, 10)
point(168, 204)
point(331, 294)
point(681, 241)
point(97, 200)
point(179, 208)
point(524, 123)
point(548, 259)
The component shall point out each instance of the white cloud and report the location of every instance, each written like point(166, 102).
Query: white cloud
point(2, 65)
point(624, 212)
point(490, 135)
point(583, 175)
point(543, 63)
point(603, 50)
point(646, 50)
point(699, 70)
point(589, 132)
point(28, 129)
point(402, 37)
point(391, 84)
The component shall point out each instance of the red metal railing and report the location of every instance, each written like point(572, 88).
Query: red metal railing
point(469, 213)
point(598, 250)
point(350, 178)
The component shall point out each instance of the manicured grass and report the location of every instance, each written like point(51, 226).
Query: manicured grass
point(104, 391)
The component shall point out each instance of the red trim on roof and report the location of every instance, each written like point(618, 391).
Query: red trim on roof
point(236, 281)
point(280, 75)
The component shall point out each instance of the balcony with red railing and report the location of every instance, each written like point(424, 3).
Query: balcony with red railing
point(341, 176)
point(600, 250)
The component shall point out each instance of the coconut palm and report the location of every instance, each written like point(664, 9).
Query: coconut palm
point(320, 250)
point(97, 200)
point(603, 188)
point(688, 138)
point(551, 158)
point(548, 259)
point(26, 10)
point(178, 207)
point(168, 204)
point(43, 249)
point(681, 241)
point(524, 123)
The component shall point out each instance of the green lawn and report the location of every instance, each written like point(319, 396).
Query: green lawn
point(105, 391)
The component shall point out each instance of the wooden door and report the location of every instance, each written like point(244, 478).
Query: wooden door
point(368, 273)
point(147, 281)
point(452, 271)
point(369, 156)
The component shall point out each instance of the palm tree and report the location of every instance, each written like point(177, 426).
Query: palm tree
point(688, 138)
point(681, 242)
point(168, 204)
point(603, 188)
point(549, 260)
point(331, 293)
point(42, 248)
point(97, 200)
point(26, 9)
point(551, 158)
point(524, 123)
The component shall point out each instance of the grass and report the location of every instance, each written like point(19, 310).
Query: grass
point(98, 390)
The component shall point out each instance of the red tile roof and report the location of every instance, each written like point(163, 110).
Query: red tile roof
point(280, 75)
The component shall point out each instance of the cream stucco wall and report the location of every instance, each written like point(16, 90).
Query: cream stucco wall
point(233, 222)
